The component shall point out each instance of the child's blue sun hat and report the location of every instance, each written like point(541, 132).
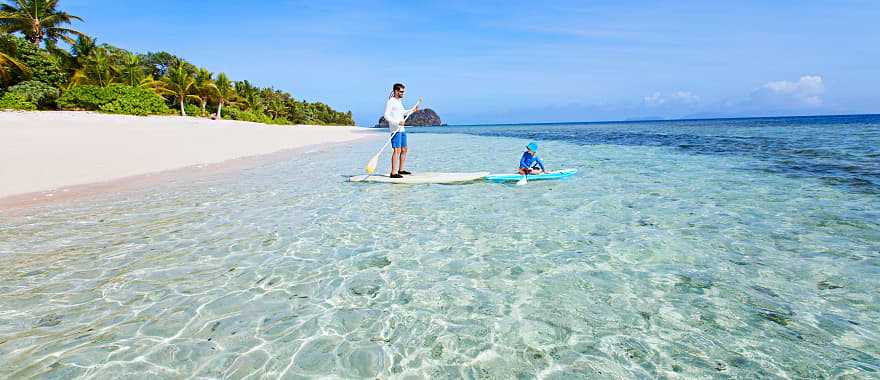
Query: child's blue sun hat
point(533, 147)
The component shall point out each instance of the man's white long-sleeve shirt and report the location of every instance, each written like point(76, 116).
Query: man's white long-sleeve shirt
point(395, 113)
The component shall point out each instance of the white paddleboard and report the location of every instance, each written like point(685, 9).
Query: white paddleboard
point(420, 178)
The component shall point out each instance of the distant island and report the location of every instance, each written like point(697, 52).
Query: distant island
point(422, 118)
point(37, 74)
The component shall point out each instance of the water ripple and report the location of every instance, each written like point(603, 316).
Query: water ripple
point(652, 262)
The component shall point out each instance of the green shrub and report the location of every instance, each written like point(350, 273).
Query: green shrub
point(39, 93)
point(115, 98)
point(191, 109)
point(129, 100)
point(230, 113)
point(86, 97)
point(237, 114)
point(12, 101)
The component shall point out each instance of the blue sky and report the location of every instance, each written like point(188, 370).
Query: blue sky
point(507, 61)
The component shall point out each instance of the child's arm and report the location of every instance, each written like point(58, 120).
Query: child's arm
point(540, 163)
point(522, 161)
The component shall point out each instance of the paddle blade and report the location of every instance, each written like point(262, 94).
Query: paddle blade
point(371, 166)
point(523, 181)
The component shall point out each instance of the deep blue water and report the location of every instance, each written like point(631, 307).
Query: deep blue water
point(840, 150)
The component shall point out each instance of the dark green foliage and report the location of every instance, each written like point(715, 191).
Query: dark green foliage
point(8, 62)
point(317, 113)
point(81, 50)
point(39, 93)
point(11, 101)
point(115, 98)
point(128, 100)
point(77, 55)
point(85, 65)
point(233, 113)
point(281, 105)
point(43, 66)
point(98, 68)
point(85, 97)
point(192, 110)
point(158, 63)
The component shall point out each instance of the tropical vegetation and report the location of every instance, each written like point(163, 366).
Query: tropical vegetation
point(46, 64)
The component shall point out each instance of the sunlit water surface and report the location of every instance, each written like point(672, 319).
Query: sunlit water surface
point(656, 260)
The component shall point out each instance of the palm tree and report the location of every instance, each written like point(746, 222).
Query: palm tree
point(253, 102)
point(98, 68)
point(204, 87)
point(179, 82)
point(132, 70)
point(274, 107)
point(274, 103)
point(157, 86)
point(82, 49)
point(75, 58)
point(249, 95)
point(225, 92)
point(8, 62)
point(243, 87)
point(37, 20)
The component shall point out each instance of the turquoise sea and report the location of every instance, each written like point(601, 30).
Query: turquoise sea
point(746, 248)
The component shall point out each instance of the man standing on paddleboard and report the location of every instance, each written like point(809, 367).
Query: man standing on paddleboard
point(396, 116)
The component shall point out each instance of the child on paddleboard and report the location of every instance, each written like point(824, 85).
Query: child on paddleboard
point(530, 163)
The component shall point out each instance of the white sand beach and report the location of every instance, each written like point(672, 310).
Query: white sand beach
point(42, 151)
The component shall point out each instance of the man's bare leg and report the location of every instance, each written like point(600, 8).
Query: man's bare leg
point(395, 161)
point(402, 158)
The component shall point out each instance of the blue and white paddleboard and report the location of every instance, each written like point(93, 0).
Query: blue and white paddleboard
point(559, 174)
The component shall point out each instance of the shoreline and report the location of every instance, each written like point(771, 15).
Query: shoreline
point(31, 174)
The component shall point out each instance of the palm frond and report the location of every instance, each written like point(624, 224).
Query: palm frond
point(7, 62)
point(37, 20)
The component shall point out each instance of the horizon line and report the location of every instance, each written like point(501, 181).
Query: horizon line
point(653, 120)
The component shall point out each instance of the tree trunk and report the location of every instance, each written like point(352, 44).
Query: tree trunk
point(182, 111)
point(220, 108)
point(204, 103)
point(38, 33)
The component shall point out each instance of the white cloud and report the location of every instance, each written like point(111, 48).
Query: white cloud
point(807, 91)
point(654, 99)
point(675, 98)
point(801, 97)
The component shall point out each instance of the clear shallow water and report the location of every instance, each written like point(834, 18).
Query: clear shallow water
point(654, 261)
point(840, 150)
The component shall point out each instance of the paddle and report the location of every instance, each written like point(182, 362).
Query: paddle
point(371, 165)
